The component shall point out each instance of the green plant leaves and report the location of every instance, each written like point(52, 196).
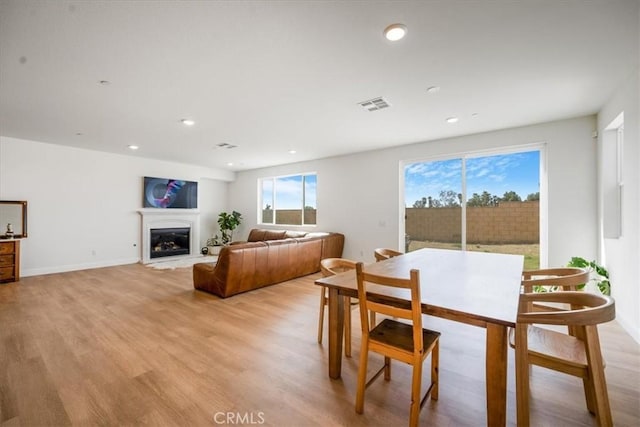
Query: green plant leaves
point(601, 278)
point(228, 222)
point(578, 262)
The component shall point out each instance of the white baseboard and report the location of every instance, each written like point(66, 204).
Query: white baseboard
point(74, 267)
point(629, 328)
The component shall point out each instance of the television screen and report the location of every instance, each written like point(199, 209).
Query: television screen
point(170, 193)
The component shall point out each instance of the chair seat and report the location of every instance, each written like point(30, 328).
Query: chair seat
point(398, 334)
point(554, 346)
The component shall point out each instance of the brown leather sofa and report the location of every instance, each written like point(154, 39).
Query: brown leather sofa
point(266, 258)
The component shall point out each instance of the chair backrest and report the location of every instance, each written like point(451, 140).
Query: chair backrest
point(369, 303)
point(585, 308)
point(563, 279)
point(383, 253)
point(332, 266)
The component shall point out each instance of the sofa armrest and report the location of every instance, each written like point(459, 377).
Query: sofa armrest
point(332, 245)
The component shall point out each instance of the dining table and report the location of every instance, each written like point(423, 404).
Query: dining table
point(475, 288)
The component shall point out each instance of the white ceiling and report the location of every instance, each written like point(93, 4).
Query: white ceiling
point(274, 76)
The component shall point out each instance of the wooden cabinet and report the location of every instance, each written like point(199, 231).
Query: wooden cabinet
point(9, 261)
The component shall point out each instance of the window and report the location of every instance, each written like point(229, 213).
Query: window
point(613, 178)
point(486, 202)
point(288, 200)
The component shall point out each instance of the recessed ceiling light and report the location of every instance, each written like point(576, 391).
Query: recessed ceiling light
point(188, 122)
point(395, 32)
point(292, 151)
point(79, 133)
point(104, 82)
point(133, 147)
point(474, 115)
point(433, 89)
point(230, 164)
point(452, 120)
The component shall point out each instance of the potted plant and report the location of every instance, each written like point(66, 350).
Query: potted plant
point(213, 245)
point(599, 275)
point(228, 222)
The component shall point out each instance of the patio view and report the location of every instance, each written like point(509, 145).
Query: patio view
point(443, 195)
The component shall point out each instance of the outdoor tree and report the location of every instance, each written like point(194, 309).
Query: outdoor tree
point(446, 199)
point(484, 199)
point(450, 198)
point(433, 203)
point(511, 196)
point(422, 203)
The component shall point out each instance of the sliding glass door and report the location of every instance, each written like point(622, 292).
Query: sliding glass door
point(487, 203)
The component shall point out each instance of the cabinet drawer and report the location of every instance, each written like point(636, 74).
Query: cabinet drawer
point(6, 260)
point(6, 273)
point(7, 248)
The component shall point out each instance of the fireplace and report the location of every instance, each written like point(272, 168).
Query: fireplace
point(169, 234)
point(169, 242)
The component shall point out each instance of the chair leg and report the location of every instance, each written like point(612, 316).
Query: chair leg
point(587, 382)
point(362, 375)
point(416, 383)
point(596, 374)
point(435, 367)
point(589, 398)
point(347, 327)
point(387, 368)
point(323, 303)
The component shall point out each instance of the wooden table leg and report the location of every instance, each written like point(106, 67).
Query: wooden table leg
point(496, 375)
point(336, 327)
point(522, 376)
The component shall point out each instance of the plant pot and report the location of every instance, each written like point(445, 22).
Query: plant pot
point(214, 250)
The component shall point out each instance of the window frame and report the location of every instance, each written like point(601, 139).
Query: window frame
point(274, 195)
point(541, 147)
point(612, 179)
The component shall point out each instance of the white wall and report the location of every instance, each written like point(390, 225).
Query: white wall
point(83, 204)
point(358, 195)
point(622, 256)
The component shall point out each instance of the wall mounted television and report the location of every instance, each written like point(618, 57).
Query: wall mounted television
point(167, 193)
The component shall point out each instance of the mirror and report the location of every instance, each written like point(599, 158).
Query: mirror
point(13, 212)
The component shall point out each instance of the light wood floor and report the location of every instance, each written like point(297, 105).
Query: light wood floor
point(131, 345)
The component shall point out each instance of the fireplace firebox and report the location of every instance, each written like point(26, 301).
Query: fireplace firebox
point(169, 242)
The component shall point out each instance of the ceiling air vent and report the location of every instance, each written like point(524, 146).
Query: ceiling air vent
point(225, 145)
point(374, 104)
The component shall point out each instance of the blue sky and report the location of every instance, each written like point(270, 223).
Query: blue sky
point(289, 192)
point(519, 172)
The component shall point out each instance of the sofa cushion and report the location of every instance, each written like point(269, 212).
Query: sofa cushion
point(295, 234)
point(317, 234)
point(260, 235)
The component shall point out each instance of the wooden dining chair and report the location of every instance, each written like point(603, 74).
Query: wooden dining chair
point(409, 343)
point(383, 253)
point(554, 279)
point(577, 355)
point(330, 267)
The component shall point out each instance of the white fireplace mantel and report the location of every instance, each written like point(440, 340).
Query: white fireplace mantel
point(169, 218)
